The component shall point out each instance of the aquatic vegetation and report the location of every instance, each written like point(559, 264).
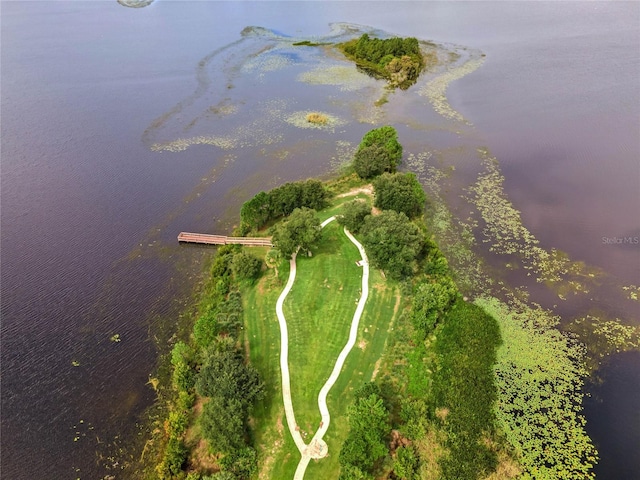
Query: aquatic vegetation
point(135, 3)
point(181, 144)
point(539, 374)
point(436, 90)
point(506, 235)
point(267, 63)
point(344, 154)
point(346, 77)
point(632, 292)
point(603, 338)
point(316, 117)
point(455, 237)
point(318, 120)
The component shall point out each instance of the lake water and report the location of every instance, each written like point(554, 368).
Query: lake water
point(91, 206)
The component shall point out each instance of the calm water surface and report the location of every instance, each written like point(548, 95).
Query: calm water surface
point(90, 213)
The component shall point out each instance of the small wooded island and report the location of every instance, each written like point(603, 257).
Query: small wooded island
point(436, 386)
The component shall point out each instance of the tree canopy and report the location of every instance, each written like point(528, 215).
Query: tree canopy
point(301, 229)
point(401, 192)
point(399, 60)
point(283, 200)
point(379, 151)
point(392, 242)
point(353, 215)
point(369, 428)
point(232, 388)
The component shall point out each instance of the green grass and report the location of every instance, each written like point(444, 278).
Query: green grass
point(319, 311)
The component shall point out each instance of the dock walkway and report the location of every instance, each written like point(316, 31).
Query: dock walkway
point(207, 239)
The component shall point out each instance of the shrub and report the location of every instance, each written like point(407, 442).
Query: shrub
point(405, 465)
point(245, 266)
point(317, 118)
point(353, 215)
point(430, 301)
point(182, 360)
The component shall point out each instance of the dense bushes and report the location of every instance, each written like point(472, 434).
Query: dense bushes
point(399, 60)
point(430, 301)
point(213, 367)
point(378, 152)
point(401, 192)
point(464, 390)
point(281, 201)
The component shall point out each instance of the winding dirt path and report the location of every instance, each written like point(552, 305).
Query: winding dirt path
point(317, 448)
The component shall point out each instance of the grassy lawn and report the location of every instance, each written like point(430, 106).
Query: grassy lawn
point(319, 311)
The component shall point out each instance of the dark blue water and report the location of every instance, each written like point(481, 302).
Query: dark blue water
point(89, 213)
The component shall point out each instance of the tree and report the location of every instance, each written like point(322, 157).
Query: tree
point(392, 242)
point(401, 192)
point(245, 266)
point(257, 211)
point(366, 442)
point(222, 422)
point(376, 55)
point(430, 301)
point(373, 160)
point(378, 152)
point(281, 201)
point(224, 374)
point(405, 465)
point(301, 229)
point(353, 215)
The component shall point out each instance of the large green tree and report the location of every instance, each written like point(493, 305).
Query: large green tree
point(301, 229)
point(393, 243)
point(401, 192)
point(367, 441)
point(224, 374)
point(222, 424)
point(378, 152)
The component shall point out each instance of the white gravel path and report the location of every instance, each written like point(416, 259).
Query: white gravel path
point(317, 448)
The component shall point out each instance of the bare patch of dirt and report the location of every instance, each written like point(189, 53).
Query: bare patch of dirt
point(376, 369)
point(367, 190)
point(362, 344)
point(203, 461)
point(442, 413)
point(397, 441)
point(430, 450)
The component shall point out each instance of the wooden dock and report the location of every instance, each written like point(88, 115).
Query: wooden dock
point(207, 239)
